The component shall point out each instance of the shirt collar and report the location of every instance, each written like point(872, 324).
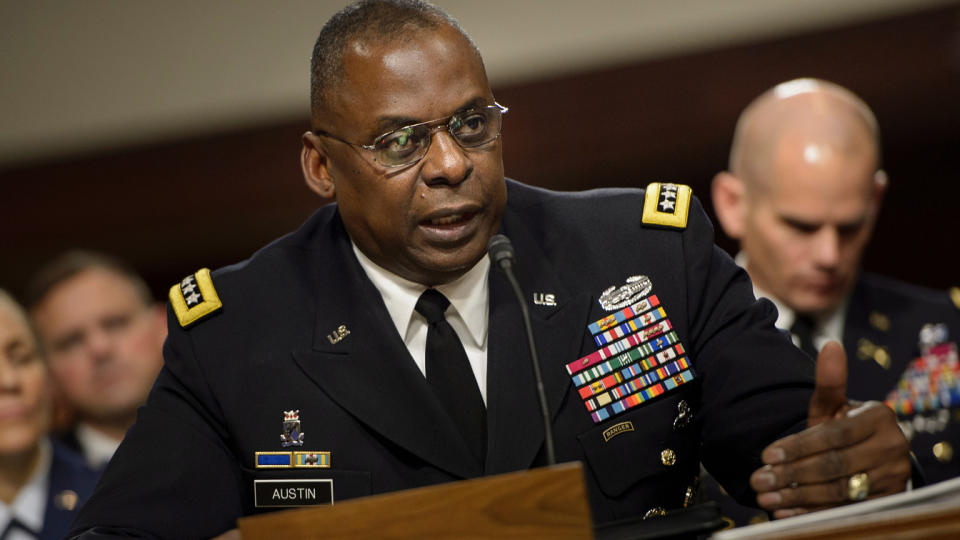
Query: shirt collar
point(97, 447)
point(30, 503)
point(468, 294)
point(828, 327)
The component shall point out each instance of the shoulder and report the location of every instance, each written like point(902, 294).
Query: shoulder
point(894, 292)
point(68, 470)
point(891, 305)
point(659, 205)
point(262, 279)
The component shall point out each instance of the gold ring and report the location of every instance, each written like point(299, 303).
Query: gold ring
point(858, 486)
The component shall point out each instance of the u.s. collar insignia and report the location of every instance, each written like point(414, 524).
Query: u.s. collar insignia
point(337, 335)
point(194, 298)
point(291, 436)
point(666, 205)
point(617, 297)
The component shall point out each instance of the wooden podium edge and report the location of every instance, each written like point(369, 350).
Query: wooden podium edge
point(546, 502)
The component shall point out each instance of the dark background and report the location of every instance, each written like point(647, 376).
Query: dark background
point(172, 208)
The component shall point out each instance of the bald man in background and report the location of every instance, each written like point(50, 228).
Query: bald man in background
point(802, 196)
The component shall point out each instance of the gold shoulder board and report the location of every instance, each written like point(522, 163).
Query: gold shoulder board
point(666, 205)
point(955, 296)
point(194, 298)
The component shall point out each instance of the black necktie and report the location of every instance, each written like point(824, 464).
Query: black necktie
point(449, 373)
point(803, 328)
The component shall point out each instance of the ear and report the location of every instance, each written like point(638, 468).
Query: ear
point(158, 312)
point(315, 165)
point(880, 182)
point(727, 191)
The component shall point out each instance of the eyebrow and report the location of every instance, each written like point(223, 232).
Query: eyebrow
point(814, 225)
point(385, 124)
point(15, 344)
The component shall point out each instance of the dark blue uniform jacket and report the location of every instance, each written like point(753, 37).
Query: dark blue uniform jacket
point(187, 468)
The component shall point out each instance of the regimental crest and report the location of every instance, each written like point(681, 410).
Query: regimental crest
point(615, 297)
point(291, 435)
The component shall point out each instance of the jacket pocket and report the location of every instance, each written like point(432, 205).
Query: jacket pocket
point(639, 444)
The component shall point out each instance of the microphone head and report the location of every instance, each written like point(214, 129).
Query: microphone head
point(500, 249)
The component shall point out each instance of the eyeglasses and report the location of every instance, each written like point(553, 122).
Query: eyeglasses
point(408, 145)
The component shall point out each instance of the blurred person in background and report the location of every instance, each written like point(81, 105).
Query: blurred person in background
point(103, 333)
point(802, 196)
point(42, 483)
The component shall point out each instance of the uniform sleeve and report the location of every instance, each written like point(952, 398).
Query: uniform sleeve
point(173, 476)
point(755, 384)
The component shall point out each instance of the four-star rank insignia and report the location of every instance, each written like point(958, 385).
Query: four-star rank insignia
point(194, 298)
point(291, 435)
point(666, 205)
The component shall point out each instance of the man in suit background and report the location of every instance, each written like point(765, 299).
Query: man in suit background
point(103, 334)
point(802, 196)
point(42, 483)
point(374, 350)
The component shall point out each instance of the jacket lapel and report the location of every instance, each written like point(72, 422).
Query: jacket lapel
point(369, 371)
point(515, 424)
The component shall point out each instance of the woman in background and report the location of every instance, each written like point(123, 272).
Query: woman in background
point(42, 484)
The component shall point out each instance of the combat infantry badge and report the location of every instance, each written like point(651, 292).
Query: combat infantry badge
point(617, 297)
point(291, 436)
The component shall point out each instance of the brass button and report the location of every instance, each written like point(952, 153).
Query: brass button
point(66, 499)
point(655, 512)
point(882, 357)
point(879, 321)
point(668, 457)
point(943, 451)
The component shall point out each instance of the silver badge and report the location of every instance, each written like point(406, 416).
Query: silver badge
point(932, 335)
point(615, 297)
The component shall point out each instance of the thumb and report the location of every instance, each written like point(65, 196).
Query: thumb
point(830, 385)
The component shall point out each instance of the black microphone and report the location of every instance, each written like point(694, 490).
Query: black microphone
point(500, 250)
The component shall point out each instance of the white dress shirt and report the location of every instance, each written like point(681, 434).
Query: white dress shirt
point(96, 447)
point(31, 501)
point(825, 328)
point(468, 312)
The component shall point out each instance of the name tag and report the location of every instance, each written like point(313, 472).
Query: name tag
point(284, 493)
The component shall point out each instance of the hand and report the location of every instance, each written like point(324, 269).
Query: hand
point(810, 470)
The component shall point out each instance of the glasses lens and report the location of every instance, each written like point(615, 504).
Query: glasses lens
point(408, 144)
point(476, 127)
point(402, 146)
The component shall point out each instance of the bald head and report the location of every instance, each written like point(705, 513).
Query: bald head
point(809, 118)
point(803, 191)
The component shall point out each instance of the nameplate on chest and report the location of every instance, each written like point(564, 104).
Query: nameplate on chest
point(298, 492)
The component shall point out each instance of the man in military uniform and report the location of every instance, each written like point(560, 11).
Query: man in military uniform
point(802, 196)
point(103, 334)
point(374, 350)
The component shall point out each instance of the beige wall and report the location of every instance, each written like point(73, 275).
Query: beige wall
point(85, 76)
